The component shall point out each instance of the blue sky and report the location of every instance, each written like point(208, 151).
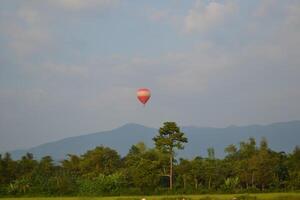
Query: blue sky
point(71, 67)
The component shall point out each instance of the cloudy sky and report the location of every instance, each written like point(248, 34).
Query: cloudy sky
point(72, 67)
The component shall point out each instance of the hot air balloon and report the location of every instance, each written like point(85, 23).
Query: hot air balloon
point(143, 94)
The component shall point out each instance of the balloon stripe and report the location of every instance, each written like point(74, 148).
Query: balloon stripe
point(143, 95)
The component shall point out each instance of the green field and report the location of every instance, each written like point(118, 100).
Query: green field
point(268, 196)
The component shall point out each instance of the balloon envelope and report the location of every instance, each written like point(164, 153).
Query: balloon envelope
point(143, 94)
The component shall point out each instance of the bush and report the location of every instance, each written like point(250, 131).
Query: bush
point(230, 185)
point(3, 190)
point(101, 185)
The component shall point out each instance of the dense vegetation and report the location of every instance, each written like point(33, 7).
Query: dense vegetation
point(252, 196)
point(102, 171)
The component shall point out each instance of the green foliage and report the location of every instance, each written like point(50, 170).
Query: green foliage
point(62, 184)
point(143, 168)
point(168, 139)
point(101, 160)
point(102, 172)
point(9, 170)
point(231, 184)
point(20, 186)
point(72, 165)
point(101, 185)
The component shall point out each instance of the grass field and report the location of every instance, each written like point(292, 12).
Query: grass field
point(268, 196)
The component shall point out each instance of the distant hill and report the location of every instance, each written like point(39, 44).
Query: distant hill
point(282, 136)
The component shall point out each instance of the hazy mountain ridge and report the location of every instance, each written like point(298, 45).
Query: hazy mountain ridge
point(282, 136)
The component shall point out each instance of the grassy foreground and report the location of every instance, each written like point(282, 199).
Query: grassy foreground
point(267, 196)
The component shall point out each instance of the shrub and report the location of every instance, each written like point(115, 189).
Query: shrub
point(101, 185)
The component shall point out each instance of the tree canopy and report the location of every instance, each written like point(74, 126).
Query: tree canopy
point(247, 167)
point(168, 139)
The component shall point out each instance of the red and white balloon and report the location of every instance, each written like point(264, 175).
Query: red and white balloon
point(143, 94)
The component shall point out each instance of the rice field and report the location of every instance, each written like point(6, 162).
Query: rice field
point(267, 196)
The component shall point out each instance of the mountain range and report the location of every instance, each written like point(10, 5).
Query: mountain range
point(283, 136)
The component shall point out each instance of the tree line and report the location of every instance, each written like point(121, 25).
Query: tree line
point(247, 167)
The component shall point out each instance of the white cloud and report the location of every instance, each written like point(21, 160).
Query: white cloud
point(167, 16)
point(205, 17)
point(194, 70)
point(264, 7)
point(237, 74)
point(17, 99)
point(26, 31)
point(159, 15)
point(29, 15)
point(84, 4)
point(27, 41)
point(26, 28)
point(293, 15)
point(114, 98)
point(66, 69)
point(282, 41)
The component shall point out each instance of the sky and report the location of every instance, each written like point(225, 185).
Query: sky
point(72, 67)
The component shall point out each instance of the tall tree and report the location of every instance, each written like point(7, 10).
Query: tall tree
point(231, 151)
point(72, 165)
point(168, 139)
point(198, 171)
point(184, 170)
point(210, 166)
point(294, 168)
point(265, 165)
point(9, 169)
point(26, 165)
point(143, 167)
point(101, 160)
